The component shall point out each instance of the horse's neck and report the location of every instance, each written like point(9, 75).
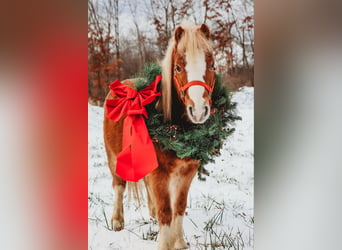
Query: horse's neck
point(178, 109)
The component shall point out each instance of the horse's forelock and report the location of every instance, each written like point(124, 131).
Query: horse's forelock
point(193, 41)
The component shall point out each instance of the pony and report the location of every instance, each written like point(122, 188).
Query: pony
point(188, 79)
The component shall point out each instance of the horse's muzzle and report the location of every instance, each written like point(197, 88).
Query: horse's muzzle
point(198, 115)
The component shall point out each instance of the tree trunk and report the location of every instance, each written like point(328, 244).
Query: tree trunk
point(116, 28)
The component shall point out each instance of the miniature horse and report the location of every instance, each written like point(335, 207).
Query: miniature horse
point(187, 82)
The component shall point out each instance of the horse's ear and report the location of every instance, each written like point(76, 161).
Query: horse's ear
point(205, 29)
point(178, 33)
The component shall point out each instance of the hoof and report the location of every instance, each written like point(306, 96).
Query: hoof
point(163, 247)
point(117, 225)
point(181, 244)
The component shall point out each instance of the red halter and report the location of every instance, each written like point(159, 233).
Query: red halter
point(182, 89)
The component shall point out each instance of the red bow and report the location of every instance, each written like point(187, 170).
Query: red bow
point(138, 157)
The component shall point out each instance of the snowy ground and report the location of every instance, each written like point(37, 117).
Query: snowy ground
point(219, 212)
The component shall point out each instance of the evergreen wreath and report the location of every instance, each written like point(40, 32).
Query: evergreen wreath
point(199, 141)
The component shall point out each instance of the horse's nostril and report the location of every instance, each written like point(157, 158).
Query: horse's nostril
point(190, 110)
point(206, 111)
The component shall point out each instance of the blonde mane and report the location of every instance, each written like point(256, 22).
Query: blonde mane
point(191, 41)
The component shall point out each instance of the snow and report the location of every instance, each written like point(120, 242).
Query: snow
point(219, 210)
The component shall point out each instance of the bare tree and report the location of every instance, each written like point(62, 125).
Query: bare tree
point(216, 12)
point(166, 15)
point(116, 27)
point(231, 29)
point(103, 68)
point(133, 5)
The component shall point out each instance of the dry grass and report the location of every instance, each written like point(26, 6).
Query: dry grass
point(238, 78)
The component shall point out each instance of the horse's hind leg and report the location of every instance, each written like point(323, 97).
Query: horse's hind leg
point(112, 132)
point(119, 186)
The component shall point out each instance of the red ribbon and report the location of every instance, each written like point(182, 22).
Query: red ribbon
point(138, 157)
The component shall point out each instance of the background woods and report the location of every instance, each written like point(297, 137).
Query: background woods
point(125, 35)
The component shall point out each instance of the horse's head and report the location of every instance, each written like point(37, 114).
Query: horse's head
point(189, 65)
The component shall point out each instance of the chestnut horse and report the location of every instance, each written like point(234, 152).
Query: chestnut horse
point(187, 82)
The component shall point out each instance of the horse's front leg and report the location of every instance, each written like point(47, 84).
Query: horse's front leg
point(180, 181)
point(159, 180)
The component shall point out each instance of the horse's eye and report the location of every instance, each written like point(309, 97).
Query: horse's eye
point(212, 66)
point(178, 68)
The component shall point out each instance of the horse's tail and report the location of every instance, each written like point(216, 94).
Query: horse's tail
point(134, 189)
